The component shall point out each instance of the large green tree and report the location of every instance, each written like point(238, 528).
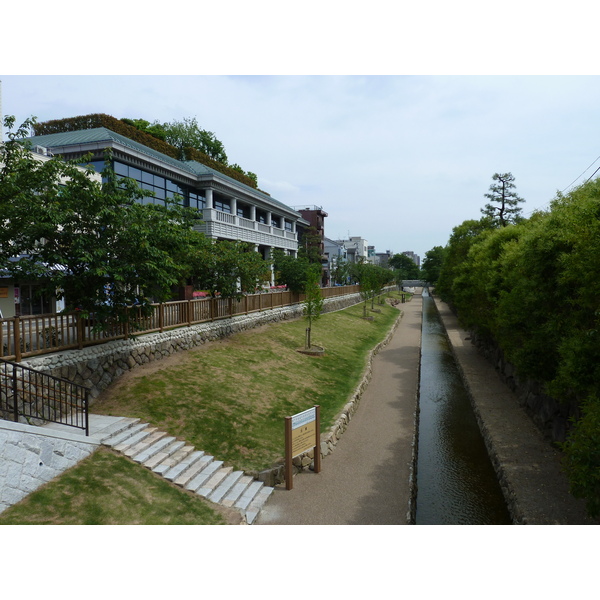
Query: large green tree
point(406, 266)
point(91, 242)
point(432, 264)
point(293, 271)
point(227, 268)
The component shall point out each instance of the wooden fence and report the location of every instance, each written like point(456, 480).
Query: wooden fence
point(32, 335)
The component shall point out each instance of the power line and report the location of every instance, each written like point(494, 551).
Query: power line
point(582, 174)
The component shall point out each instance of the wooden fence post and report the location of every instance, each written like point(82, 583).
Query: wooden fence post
point(17, 339)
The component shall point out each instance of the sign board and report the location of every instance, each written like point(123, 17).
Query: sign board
point(3, 292)
point(302, 434)
point(303, 431)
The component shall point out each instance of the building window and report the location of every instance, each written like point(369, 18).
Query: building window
point(243, 211)
point(222, 205)
point(276, 221)
point(261, 217)
point(288, 225)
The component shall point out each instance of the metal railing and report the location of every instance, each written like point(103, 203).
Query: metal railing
point(34, 395)
point(32, 335)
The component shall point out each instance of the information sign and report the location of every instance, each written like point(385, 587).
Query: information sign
point(302, 435)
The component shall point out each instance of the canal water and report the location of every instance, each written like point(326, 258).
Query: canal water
point(456, 483)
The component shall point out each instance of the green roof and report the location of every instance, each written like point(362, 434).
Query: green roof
point(98, 135)
point(102, 134)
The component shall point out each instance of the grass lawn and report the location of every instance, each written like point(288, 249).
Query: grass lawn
point(229, 398)
point(108, 489)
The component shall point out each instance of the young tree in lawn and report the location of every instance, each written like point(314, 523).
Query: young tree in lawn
point(503, 208)
point(313, 302)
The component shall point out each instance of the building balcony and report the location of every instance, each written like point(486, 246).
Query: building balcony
point(217, 224)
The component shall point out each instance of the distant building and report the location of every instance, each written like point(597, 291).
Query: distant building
point(357, 249)
point(334, 253)
point(414, 257)
point(382, 258)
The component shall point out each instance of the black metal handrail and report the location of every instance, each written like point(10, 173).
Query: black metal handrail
point(25, 392)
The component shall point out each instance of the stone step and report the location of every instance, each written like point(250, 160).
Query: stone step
point(159, 457)
point(181, 453)
point(175, 471)
point(113, 441)
point(135, 447)
point(256, 505)
point(134, 440)
point(186, 476)
point(204, 475)
point(236, 491)
point(225, 486)
point(153, 448)
point(191, 469)
point(248, 495)
point(116, 429)
point(210, 484)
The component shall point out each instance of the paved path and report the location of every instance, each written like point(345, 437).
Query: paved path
point(367, 479)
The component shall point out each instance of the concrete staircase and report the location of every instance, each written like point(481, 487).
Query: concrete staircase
point(185, 466)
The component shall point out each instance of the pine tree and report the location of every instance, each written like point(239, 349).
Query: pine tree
point(504, 206)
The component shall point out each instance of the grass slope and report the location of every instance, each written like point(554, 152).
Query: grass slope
point(230, 398)
point(107, 489)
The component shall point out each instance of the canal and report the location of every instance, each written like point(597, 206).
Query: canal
point(456, 483)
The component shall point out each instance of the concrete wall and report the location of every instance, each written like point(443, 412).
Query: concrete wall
point(31, 456)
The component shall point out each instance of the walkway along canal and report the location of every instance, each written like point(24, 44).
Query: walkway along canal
point(456, 482)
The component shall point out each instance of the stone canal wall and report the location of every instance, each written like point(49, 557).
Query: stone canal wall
point(528, 467)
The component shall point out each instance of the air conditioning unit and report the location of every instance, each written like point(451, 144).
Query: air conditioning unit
point(40, 150)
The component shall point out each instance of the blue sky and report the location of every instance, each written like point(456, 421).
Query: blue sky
point(399, 160)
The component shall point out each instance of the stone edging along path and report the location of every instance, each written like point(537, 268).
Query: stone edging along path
point(329, 440)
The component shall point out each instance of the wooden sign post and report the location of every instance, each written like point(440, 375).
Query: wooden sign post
point(302, 434)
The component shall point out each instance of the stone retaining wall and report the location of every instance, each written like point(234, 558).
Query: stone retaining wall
point(96, 367)
point(552, 417)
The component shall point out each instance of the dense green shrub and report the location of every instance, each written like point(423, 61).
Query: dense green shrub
point(534, 289)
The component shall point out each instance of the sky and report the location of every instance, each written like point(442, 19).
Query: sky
point(396, 159)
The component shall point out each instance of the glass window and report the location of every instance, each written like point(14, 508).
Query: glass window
point(261, 217)
point(121, 169)
point(288, 225)
point(275, 221)
point(147, 177)
point(135, 173)
point(223, 205)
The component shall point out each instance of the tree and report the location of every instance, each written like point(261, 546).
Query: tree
point(228, 268)
point(432, 264)
point(92, 243)
point(293, 272)
point(406, 265)
point(340, 270)
point(313, 303)
point(188, 134)
point(503, 194)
